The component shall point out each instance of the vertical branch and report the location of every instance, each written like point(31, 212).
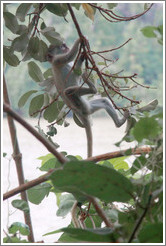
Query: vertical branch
point(101, 212)
point(17, 156)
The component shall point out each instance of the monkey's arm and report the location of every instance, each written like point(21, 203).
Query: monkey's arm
point(77, 91)
point(67, 57)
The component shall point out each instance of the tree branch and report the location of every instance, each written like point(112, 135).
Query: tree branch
point(26, 186)
point(106, 156)
point(110, 155)
point(101, 212)
point(43, 140)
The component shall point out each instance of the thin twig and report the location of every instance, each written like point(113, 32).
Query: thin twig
point(138, 223)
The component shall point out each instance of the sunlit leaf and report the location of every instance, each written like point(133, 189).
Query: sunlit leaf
point(88, 10)
point(21, 227)
point(119, 163)
point(21, 205)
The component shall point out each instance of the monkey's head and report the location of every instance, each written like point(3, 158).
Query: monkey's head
point(54, 50)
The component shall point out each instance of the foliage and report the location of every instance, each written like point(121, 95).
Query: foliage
point(129, 194)
point(139, 62)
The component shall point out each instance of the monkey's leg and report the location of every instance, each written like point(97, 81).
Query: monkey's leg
point(104, 103)
point(80, 91)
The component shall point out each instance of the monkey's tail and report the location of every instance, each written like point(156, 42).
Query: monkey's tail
point(88, 130)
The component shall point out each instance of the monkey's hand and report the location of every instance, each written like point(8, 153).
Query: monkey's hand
point(82, 56)
point(126, 113)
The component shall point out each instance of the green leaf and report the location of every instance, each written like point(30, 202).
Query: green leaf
point(88, 235)
point(50, 164)
point(112, 214)
point(119, 163)
point(10, 58)
point(21, 205)
point(66, 204)
point(38, 193)
point(76, 5)
point(13, 240)
point(25, 97)
point(20, 43)
point(21, 227)
point(36, 104)
point(43, 49)
point(112, 5)
point(95, 180)
point(11, 22)
point(138, 164)
point(22, 30)
point(51, 113)
point(148, 31)
point(52, 36)
point(52, 131)
point(4, 154)
point(22, 11)
point(33, 46)
point(160, 29)
point(146, 128)
point(59, 9)
point(146, 6)
point(46, 158)
point(152, 233)
point(35, 72)
point(48, 73)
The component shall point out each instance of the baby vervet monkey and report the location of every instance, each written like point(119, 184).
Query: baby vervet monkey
point(71, 88)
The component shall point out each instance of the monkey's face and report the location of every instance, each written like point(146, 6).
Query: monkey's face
point(54, 50)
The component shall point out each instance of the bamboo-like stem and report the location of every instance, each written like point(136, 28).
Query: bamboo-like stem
point(17, 156)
